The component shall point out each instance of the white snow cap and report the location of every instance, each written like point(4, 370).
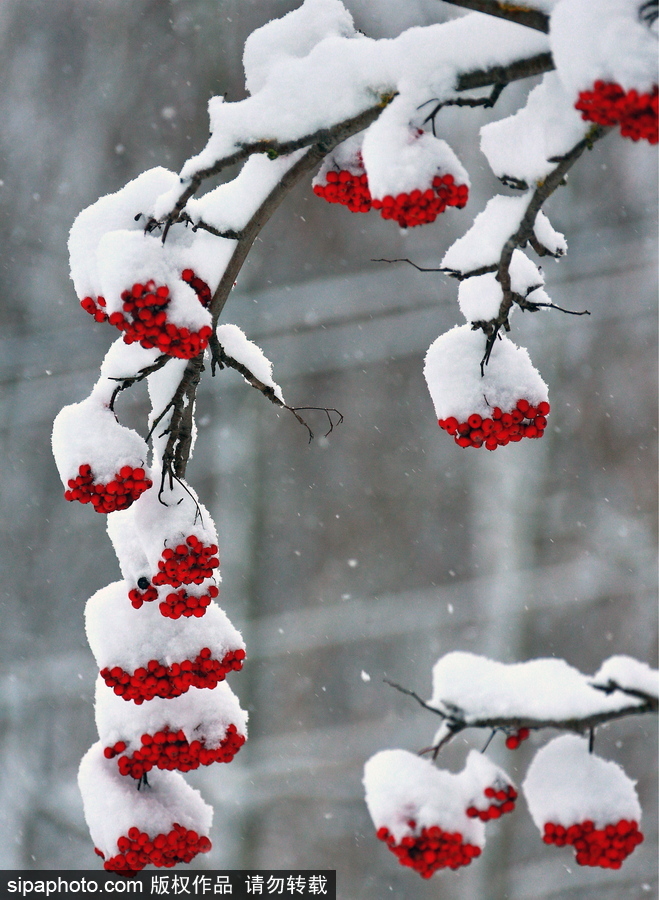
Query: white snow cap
point(125, 360)
point(483, 243)
point(146, 529)
point(89, 433)
point(522, 146)
point(109, 213)
point(540, 689)
point(553, 241)
point(605, 41)
point(231, 205)
point(480, 773)
point(628, 673)
point(479, 297)
point(452, 372)
point(307, 80)
point(112, 805)
point(294, 35)
point(567, 785)
point(347, 155)
point(247, 353)
point(401, 786)
point(398, 159)
point(203, 715)
point(122, 636)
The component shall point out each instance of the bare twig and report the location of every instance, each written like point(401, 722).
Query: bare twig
point(485, 102)
point(180, 428)
point(220, 358)
point(129, 380)
point(532, 18)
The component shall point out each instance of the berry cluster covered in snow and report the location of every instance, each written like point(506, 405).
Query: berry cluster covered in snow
point(431, 818)
point(162, 644)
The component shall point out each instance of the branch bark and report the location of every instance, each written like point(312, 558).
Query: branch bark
point(457, 720)
point(532, 18)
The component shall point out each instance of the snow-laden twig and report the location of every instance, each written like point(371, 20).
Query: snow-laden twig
point(532, 18)
point(457, 719)
point(220, 358)
point(525, 233)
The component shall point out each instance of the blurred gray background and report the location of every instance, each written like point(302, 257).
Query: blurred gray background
point(364, 555)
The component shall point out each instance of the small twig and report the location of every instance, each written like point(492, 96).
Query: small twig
point(532, 18)
point(484, 102)
point(220, 358)
point(419, 268)
point(489, 740)
point(649, 12)
point(532, 306)
point(418, 699)
point(129, 380)
point(327, 410)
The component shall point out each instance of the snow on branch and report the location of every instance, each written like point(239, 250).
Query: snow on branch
point(531, 18)
point(471, 691)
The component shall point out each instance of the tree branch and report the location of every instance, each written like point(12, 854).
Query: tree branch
point(219, 357)
point(457, 720)
point(180, 428)
point(525, 234)
point(332, 135)
point(532, 18)
point(130, 380)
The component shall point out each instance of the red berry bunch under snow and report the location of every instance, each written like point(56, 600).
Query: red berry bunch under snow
point(606, 847)
point(514, 740)
point(138, 849)
point(500, 428)
point(171, 750)
point(181, 603)
point(189, 563)
point(144, 320)
point(147, 595)
point(418, 207)
point(159, 680)
point(347, 188)
point(430, 849)
point(578, 799)
point(421, 207)
point(501, 799)
point(609, 104)
point(128, 484)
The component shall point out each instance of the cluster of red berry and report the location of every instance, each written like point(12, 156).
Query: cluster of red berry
point(138, 849)
point(431, 849)
point(180, 603)
point(189, 564)
point(502, 801)
point(200, 287)
point(416, 208)
point(422, 207)
point(138, 597)
point(605, 847)
point(608, 104)
point(501, 428)
point(144, 318)
point(158, 680)
point(126, 486)
point(347, 189)
point(514, 740)
point(171, 750)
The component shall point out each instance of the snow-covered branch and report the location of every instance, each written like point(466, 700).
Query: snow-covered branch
point(532, 18)
point(471, 691)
